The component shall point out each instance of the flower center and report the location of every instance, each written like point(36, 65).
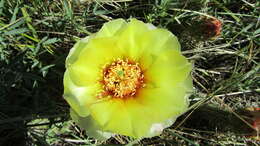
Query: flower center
point(122, 78)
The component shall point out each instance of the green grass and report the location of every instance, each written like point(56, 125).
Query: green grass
point(36, 36)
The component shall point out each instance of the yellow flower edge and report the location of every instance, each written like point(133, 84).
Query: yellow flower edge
point(129, 78)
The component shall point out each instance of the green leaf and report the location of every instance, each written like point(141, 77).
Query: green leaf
point(51, 41)
point(28, 20)
point(68, 9)
point(1, 6)
point(14, 13)
point(16, 31)
point(45, 69)
point(17, 24)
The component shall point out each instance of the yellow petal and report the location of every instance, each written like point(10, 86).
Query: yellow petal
point(99, 52)
point(120, 120)
point(154, 42)
point(157, 40)
point(113, 116)
point(76, 96)
point(139, 114)
point(169, 69)
point(102, 111)
point(110, 28)
point(129, 39)
point(164, 102)
point(76, 50)
point(90, 125)
point(129, 117)
point(119, 116)
point(187, 84)
point(142, 44)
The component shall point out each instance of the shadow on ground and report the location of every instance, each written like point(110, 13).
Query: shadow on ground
point(25, 96)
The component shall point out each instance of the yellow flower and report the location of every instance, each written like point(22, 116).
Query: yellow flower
point(129, 78)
